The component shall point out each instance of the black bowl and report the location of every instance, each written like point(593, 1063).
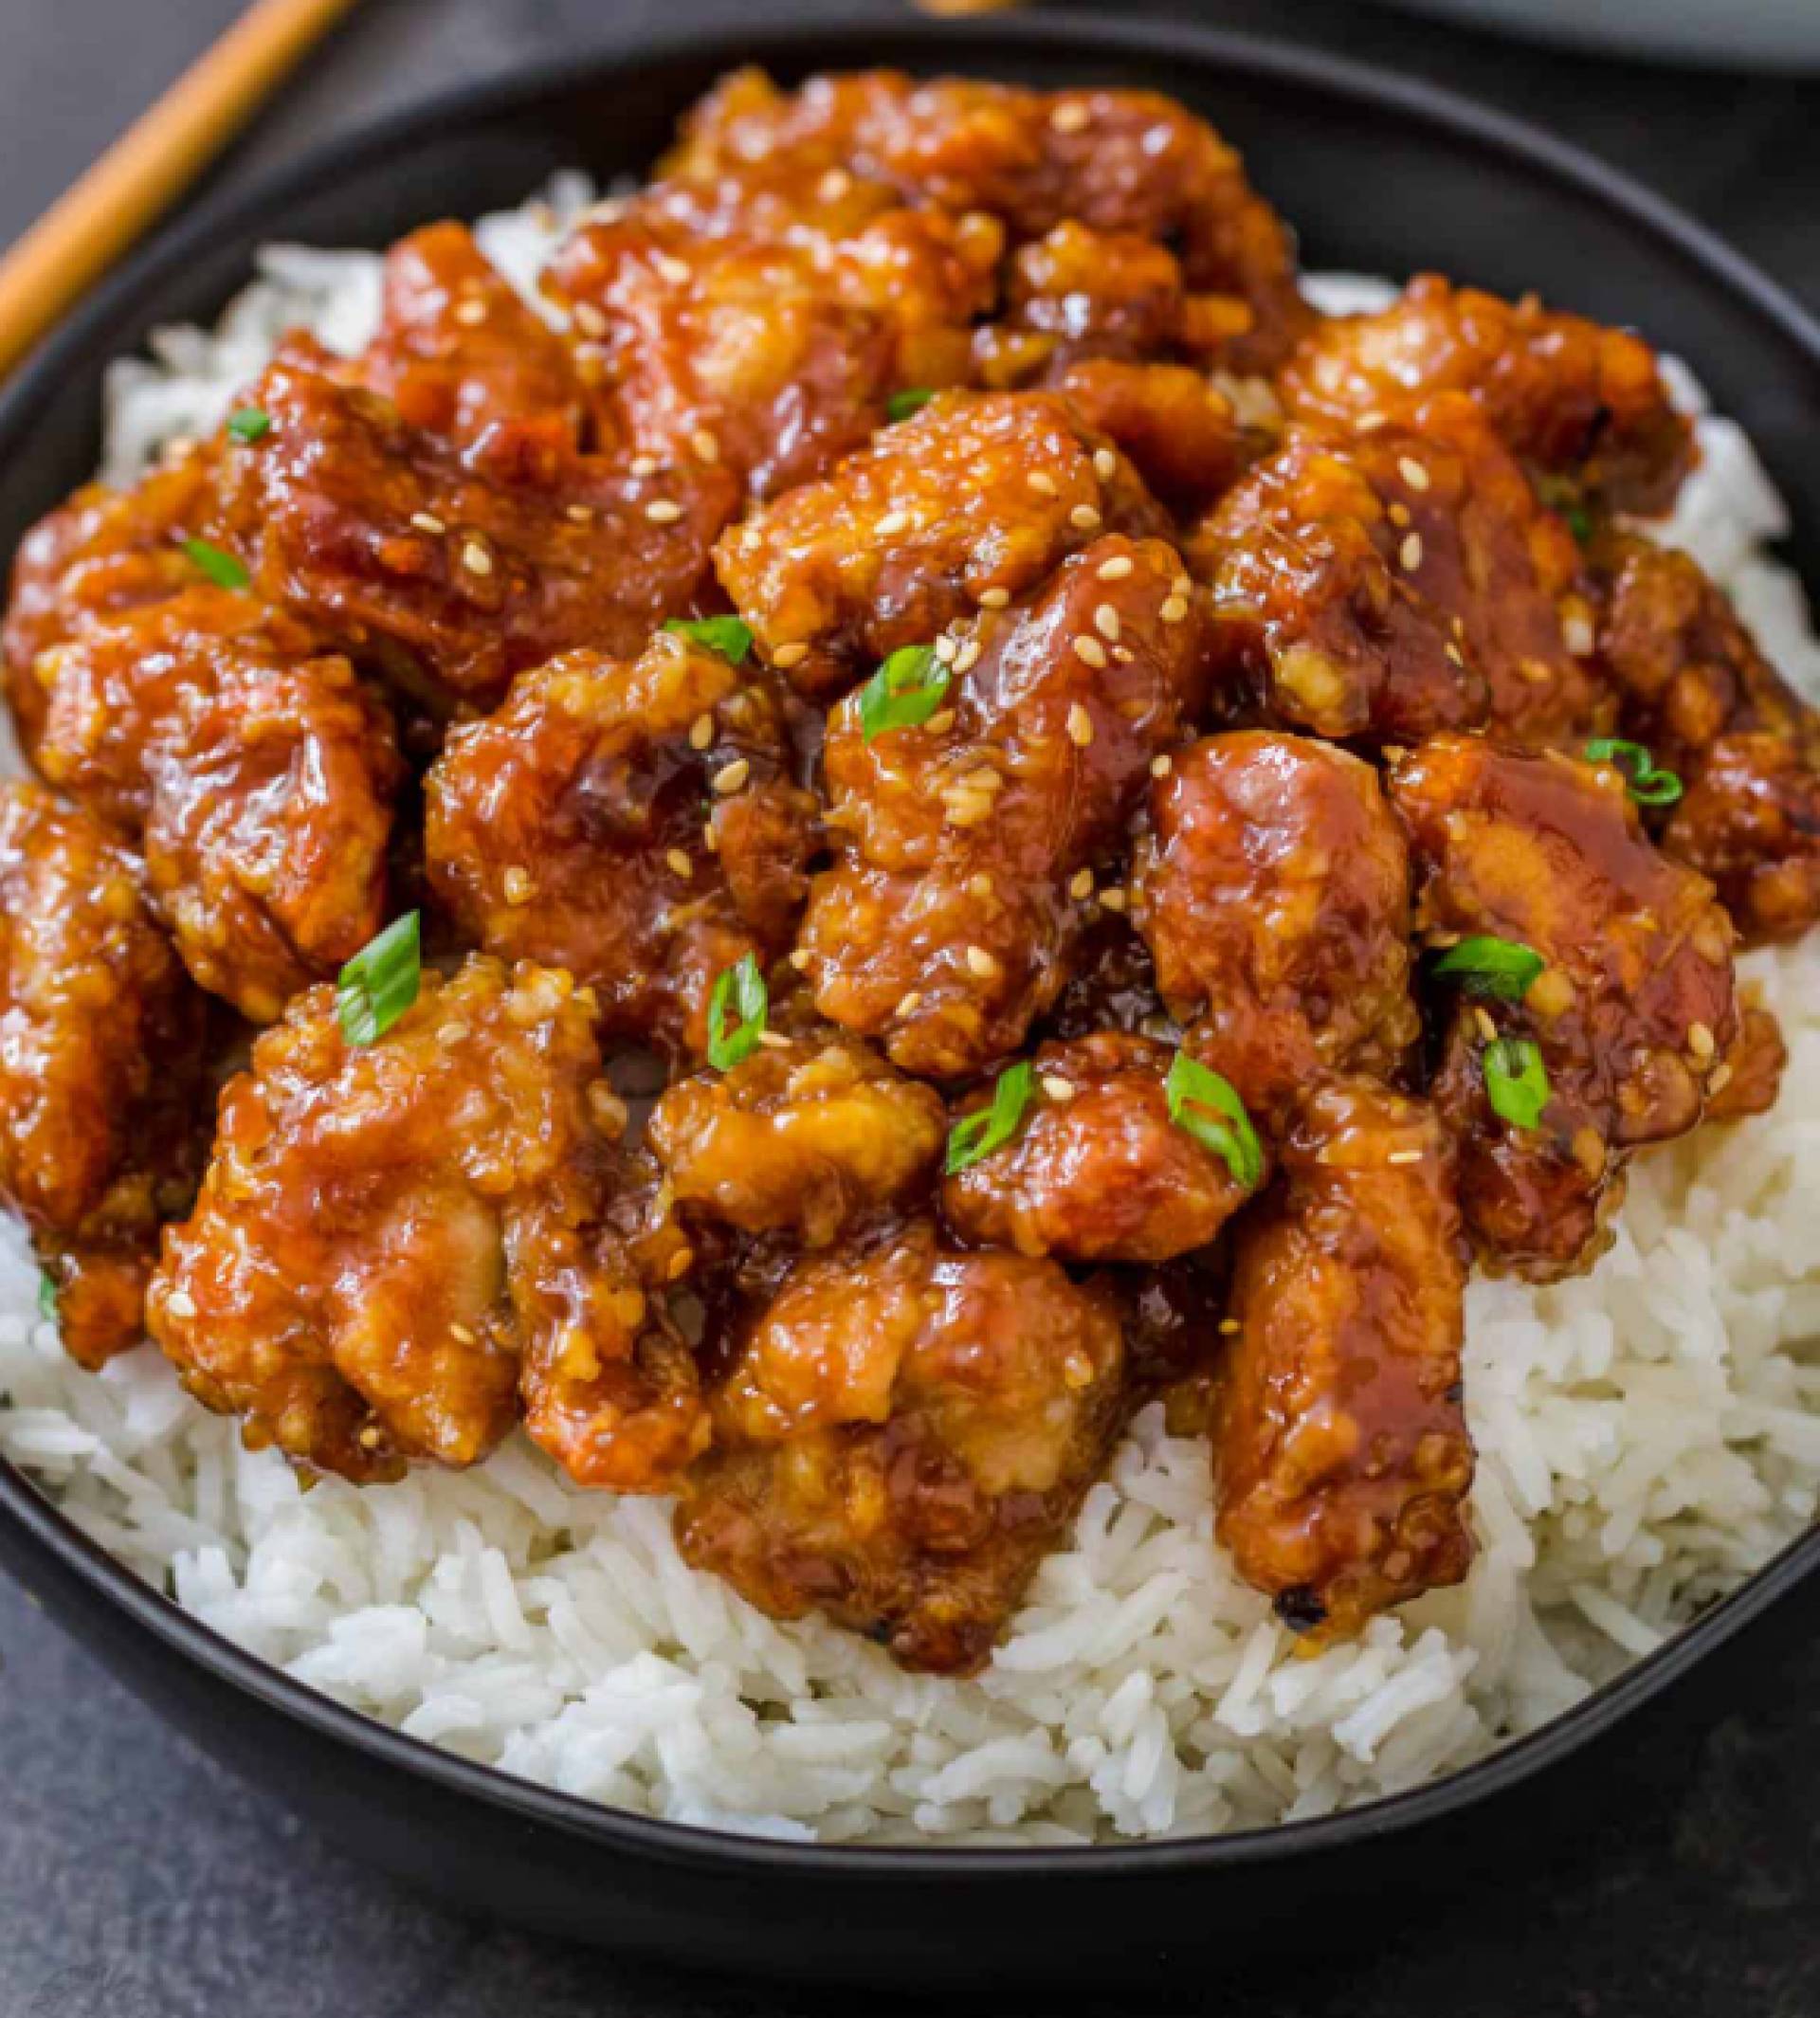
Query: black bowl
point(1382, 176)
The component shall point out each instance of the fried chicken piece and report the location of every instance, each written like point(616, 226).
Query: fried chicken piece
point(387, 1230)
point(451, 570)
point(1569, 397)
point(1273, 888)
point(1341, 1458)
point(100, 1066)
point(1393, 584)
point(969, 843)
point(972, 501)
point(636, 821)
point(458, 352)
point(760, 352)
point(901, 1436)
point(808, 1137)
point(1633, 1010)
point(1129, 163)
point(1707, 704)
point(1182, 435)
point(1097, 1172)
point(1747, 1079)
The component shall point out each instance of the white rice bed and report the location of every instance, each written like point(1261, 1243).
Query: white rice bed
point(1648, 1437)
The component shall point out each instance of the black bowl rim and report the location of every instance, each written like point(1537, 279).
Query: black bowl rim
point(827, 45)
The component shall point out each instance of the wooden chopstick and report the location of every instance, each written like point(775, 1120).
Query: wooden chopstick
point(151, 164)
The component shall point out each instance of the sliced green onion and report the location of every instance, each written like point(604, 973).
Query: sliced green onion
point(221, 569)
point(1515, 1081)
point(1193, 1089)
point(904, 692)
point(728, 636)
point(249, 424)
point(1648, 786)
point(1486, 966)
point(47, 1299)
point(380, 982)
point(975, 1136)
point(740, 989)
point(901, 406)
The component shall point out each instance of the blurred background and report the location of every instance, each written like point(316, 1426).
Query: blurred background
point(138, 1881)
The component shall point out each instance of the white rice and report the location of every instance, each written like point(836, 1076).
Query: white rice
point(1648, 1437)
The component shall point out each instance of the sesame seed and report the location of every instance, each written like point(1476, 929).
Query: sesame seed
point(1080, 725)
point(995, 598)
point(1086, 516)
point(710, 840)
point(470, 313)
point(1400, 516)
point(788, 655)
point(1105, 621)
point(371, 1436)
point(1090, 651)
point(1160, 766)
point(940, 723)
point(461, 1334)
point(800, 958)
point(1116, 569)
point(1405, 1155)
point(680, 862)
point(1487, 1029)
point(1082, 884)
point(644, 465)
point(452, 1034)
point(1577, 634)
point(680, 1263)
point(581, 513)
point(1071, 115)
point(835, 185)
point(700, 732)
point(1410, 552)
point(1057, 1087)
point(1700, 1040)
point(1414, 473)
point(909, 1003)
point(180, 1303)
point(946, 647)
point(662, 511)
point(773, 1040)
point(1174, 609)
point(1113, 898)
point(892, 524)
point(476, 559)
point(1230, 1325)
point(1720, 1079)
point(981, 962)
point(517, 886)
point(706, 446)
point(731, 776)
point(588, 319)
point(672, 269)
point(967, 655)
point(1105, 464)
point(427, 522)
point(1041, 482)
point(1455, 654)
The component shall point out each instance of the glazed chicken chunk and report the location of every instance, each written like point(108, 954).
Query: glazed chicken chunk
point(900, 1436)
point(970, 503)
point(392, 1236)
point(1571, 398)
point(1099, 1172)
point(970, 840)
point(1341, 1458)
point(1273, 888)
point(636, 823)
point(101, 1091)
point(1612, 1041)
point(1393, 584)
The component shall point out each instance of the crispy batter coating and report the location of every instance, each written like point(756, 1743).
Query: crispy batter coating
point(451, 570)
point(1747, 1079)
point(1099, 1172)
point(636, 823)
point(810, 1137)
point(944, 930)
point(1709, 706)
point(1632, 1011)
point(1115, 162)
point(386, 1230)
point(101, 1055)
point(1341, 1458)
point(901, 1436)
point(1400, 582)
point(1568, 396)
point(973, 500)
point(1181, 433)
point(1273, 888)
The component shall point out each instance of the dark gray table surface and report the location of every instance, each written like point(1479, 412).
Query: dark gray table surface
point(138, 1881)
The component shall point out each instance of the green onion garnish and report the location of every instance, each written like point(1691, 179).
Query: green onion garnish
point(1649, 785)
point(1191, 1088)
point(221, 569)
point(742, 988)
point(904, 692)
point(249, 424)
point(1515, 1081)
point(901, 406)
point(1494, 967)
point(975, 1136)
point(728, 636)
point(380, 982)
point(47, 1299)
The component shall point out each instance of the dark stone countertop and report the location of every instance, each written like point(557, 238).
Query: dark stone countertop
point(138, 1881)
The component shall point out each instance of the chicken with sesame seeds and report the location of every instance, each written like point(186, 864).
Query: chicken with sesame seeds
point(1390, 585)
point(102, 1094)
point(393, 1234)
point(1594, 996)
point(969, 503)
point(971, 839)
point(1340, 1454)
point(1273, 888)
point(900, 1435)
point(637, 822)
point(1571, 398)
